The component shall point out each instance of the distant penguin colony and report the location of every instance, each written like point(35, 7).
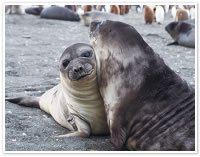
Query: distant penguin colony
point(151, 12)
point(14, 9)
point(157, 12)
point(88, 13)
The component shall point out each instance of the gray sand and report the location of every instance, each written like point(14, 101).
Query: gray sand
point(33, 48)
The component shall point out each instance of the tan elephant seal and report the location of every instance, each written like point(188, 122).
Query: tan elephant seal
point(149, 107)
point(75, 103)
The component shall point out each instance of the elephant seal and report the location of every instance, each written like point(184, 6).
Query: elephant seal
point(148, 106)
point(90, 16)
point(75, 103)
point(59, 13)
point(182, 32)
point(34, 10)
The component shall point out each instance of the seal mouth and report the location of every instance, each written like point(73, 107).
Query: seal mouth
point(83, 76)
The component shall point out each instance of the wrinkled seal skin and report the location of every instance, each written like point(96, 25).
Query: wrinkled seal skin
point(59, 13)
point(183, 33)
point(149, 107)
point(75, 103)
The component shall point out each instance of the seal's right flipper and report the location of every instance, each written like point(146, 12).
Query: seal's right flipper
point(81, 129)
point(173, 43)
point(27, 101)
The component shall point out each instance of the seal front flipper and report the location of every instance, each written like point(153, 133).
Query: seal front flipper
point(81, 128)
point(173, 43)
point(76, 133)
point(118, 137)
point(27, 101)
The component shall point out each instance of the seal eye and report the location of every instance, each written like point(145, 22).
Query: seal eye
point(65, 63)
point(86, 54)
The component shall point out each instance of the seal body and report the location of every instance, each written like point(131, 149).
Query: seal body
point(148, 15)
point(183, 33)
point(148, 106)
point(59, 13)
point(75, 103)
point(34, 10)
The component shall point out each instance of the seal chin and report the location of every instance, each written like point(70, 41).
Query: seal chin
point(85, 76)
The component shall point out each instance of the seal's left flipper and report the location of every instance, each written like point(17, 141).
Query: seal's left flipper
point(82, 128)
point(27, 101)
point(173, 43)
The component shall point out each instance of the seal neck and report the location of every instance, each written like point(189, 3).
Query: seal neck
point(79, 88)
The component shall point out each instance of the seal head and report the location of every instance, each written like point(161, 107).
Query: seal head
point(77, 66)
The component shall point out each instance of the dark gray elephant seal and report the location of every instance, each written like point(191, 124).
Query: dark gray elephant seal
point(75, 103)
point(149, 107)
point(59, 13)
point(34, 10)
point(183, 33)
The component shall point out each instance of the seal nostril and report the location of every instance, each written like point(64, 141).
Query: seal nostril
point(76, 70)
point(81, 68)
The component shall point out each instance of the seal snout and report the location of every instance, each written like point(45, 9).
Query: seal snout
point(80, 71)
